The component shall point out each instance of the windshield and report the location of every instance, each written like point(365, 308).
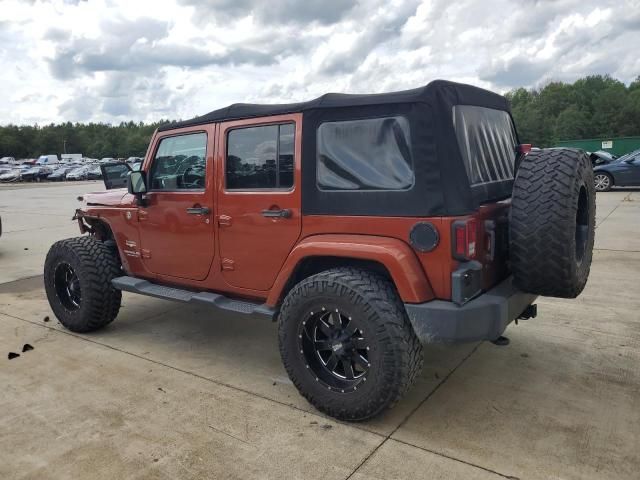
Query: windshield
point(629, 155)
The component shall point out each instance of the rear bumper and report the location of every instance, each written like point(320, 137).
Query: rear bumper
point(483, 318)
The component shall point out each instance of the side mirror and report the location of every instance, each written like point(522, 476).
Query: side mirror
point(137, 185)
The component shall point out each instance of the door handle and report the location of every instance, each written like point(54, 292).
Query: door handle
point(284, 213)
point(199, 211)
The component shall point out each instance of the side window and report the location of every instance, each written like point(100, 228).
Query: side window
point(180, 163)
point(260, 157)
point(368, 154)
point(487, 141)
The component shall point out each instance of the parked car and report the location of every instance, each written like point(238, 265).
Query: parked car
point(7, 160)
point(107, 160)
point(383, 227)
point(14, 174)
point(622, 172)
point(71, 157)
point(79, 173)
point(94, 173)
point(47, 159)
point(60, 173)
point(35, 174)
point(600, 157)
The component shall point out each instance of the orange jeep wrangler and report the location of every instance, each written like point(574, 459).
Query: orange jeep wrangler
point(367, 226)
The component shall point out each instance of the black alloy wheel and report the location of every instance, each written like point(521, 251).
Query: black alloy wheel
point(335, 349)
point(67, 286)
point(347, 343)
point(78, 274)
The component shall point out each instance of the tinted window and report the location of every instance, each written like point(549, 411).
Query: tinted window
point(180, 163)
point(371, 154)
point(487, 142)
point(260, 157)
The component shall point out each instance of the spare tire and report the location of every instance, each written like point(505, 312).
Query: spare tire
point(552, 222)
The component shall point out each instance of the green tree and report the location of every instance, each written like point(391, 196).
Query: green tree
point(571, 123)
point(593, 106)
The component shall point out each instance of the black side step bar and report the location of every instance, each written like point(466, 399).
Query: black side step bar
point(144, 287)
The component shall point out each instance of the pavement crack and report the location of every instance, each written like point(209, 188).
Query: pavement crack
point(614, 209)
point(385, 438)
point(186, 372)
point(414, 410)
point(455, 459)
point(6, 284)
point(229, 435)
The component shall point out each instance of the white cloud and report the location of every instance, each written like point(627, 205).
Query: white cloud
point(114, 60)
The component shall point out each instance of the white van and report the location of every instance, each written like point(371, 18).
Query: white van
point(71, 157)
point(47, 160)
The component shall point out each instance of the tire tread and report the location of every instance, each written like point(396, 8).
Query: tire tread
point(403, 351)
point(99, 264)
point(542, 226)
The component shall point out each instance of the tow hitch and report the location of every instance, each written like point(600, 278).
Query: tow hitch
point(530, 312)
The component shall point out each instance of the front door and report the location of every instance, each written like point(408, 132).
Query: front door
point(258, 198)
point(176, 225)
point(634, 171)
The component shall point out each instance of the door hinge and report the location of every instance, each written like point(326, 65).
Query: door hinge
point(228, 264)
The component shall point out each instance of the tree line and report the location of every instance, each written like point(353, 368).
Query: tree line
point(93, 140)
point(592, 107)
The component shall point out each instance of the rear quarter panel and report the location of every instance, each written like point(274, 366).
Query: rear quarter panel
point(436, 264)
point(398, 258)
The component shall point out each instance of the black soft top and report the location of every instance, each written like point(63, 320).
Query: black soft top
point(457, 93)
point(444, 181)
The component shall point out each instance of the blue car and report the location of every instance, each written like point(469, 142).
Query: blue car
point(622, 172)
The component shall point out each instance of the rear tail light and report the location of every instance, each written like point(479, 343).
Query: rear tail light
point(523, 148)
point(464, 239)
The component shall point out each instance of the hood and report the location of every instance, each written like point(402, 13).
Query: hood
point(110, 198)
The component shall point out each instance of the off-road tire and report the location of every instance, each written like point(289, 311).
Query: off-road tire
point(96, 265)
point(396, 353)
point(552, 222)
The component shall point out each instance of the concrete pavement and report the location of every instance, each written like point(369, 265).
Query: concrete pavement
point(169, 392)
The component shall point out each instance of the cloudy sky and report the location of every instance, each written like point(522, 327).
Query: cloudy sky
point(114, 60)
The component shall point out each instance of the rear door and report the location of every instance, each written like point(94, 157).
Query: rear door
point(175, 225)
point(258, 198)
